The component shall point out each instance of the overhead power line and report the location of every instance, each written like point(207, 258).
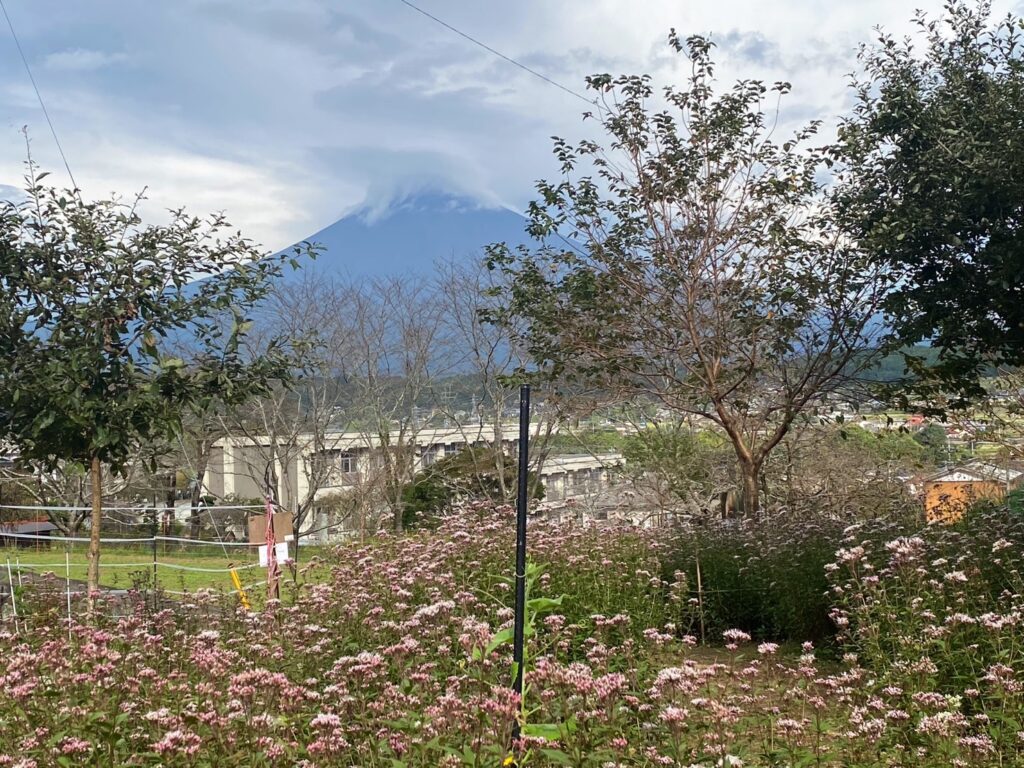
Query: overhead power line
point(500, 55)
point(46, 114)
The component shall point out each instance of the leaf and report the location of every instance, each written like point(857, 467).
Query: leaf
point(549, 731)
point(541, 605)
point(500, 638)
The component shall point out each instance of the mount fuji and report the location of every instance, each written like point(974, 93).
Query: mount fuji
point(410, 234)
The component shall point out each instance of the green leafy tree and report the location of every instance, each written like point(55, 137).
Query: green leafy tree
point(471, 474)
point(935, 443)
point(932, 162)
point(679, 469)
point(91, 299)
point(888, 445)
point(693, 262)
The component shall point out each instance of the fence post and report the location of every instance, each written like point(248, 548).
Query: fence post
point(700, 602)
point(154, 589)
point(14, 599)
point(67, 566)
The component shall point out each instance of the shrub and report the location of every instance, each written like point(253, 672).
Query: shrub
point(950, 594)
point(764, 577)
point(940, 611)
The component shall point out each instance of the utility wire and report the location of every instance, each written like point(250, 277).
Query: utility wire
point(500, 55)
point(39, 95)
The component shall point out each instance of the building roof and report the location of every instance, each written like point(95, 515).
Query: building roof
point(27, 527)
point(353, 439)
point(576, 461)
point(975, 472)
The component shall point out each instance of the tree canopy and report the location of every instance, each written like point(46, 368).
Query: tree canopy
point(932, 163)
point(692, 260)
point(91, 300)
point(470, 474)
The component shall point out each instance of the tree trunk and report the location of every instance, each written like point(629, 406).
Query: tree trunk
point(751, 478)
point(93, 577)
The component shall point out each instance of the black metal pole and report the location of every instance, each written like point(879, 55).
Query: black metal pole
point(522, 498)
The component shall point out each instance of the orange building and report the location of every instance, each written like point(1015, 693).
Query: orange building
point(948, 494)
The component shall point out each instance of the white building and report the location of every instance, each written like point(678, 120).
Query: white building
point(568, 477)
point(238, 466)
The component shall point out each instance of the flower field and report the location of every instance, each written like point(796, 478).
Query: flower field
point(393, 654)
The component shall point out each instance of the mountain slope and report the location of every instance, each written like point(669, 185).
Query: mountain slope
point(412, 234)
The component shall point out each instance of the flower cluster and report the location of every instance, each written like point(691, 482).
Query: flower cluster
point(385, 655)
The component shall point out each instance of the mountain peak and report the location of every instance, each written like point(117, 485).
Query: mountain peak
point(428, 200)
point(410, 232)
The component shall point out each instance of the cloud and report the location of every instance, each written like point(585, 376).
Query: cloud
point(391, 176)
point(750, 46)
point(81, 60)
point(266, 195)
point(14, 194)
point(287, 113)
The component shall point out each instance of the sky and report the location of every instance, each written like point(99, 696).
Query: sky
point(288, 114)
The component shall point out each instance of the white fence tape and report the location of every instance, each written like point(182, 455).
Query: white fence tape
point(204, 541)
point(158, 564)
point(137, 540)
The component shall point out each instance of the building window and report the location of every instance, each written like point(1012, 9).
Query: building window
point(345, 462)
point(340, 461)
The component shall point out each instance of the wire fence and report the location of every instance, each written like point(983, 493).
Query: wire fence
point(37, 559)
point(224, 522)
point(34, 584)
point(138, 508)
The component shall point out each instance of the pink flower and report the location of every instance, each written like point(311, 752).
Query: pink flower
point(905, 550)
point(72, 745)
point(849, 556)
point(736, 636)
point(182, 741)
point(674, 716)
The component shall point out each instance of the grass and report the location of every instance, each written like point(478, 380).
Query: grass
point(116, 563)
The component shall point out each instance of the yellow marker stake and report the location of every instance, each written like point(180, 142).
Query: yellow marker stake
point(238, 588)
